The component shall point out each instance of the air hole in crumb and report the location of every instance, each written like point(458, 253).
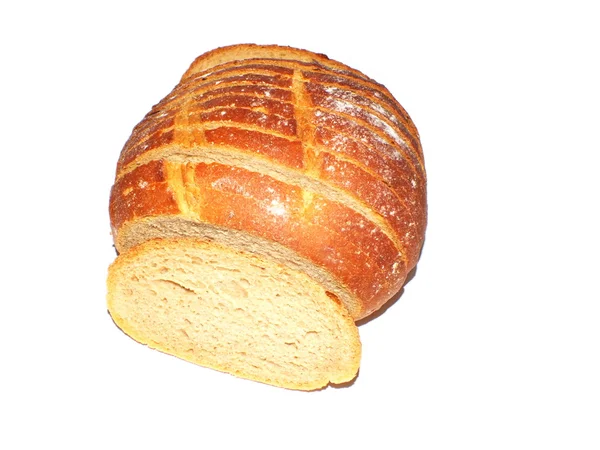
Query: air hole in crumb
point(310, 335)
point(333, 297)
point(227, 269)
point(184, 333)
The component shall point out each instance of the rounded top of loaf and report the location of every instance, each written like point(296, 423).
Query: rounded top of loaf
point(240, 52)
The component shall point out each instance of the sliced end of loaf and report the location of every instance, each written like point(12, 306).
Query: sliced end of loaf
point(233, 311)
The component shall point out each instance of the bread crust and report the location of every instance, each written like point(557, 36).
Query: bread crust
point(327, 233)
point(298, 113)
point(234, 53)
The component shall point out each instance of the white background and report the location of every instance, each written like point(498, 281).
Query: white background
point(495, 344)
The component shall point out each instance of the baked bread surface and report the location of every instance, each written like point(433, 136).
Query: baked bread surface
point(278, 154)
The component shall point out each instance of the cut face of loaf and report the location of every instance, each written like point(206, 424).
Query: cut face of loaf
point(289, 156)
point(235, 312)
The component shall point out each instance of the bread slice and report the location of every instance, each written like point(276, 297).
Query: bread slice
point(233, 311)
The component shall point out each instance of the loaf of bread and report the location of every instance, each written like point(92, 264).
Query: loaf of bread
point(270, 201)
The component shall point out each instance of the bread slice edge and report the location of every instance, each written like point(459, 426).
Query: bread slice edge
point(233, 311)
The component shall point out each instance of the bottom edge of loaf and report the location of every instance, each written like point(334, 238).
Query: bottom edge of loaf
point(233, 311)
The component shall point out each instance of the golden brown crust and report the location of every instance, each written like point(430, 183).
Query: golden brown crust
point(300, 113)
point(234, 53)
point(145, 193)
point(327, 233)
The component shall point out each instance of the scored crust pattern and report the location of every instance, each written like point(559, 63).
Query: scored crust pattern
point(315, 141)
